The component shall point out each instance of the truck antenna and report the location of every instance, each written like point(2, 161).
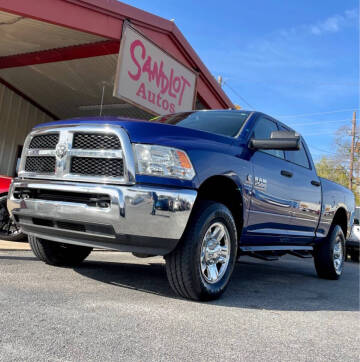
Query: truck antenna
point(102, 98)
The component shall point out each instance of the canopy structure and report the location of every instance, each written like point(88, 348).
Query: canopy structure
point(58, 59)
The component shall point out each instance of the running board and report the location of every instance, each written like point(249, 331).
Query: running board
point(268, 257)
point(300, 255)
point(286, 248)
point(274, 252)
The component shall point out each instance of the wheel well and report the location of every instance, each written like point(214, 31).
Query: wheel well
point(224, 190)
point(340, 219)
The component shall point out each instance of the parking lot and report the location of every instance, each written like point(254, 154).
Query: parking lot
point(118, 307)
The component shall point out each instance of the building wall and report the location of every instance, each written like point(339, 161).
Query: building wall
point(17, 118)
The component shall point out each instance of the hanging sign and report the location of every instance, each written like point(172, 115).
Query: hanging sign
point(151, 79)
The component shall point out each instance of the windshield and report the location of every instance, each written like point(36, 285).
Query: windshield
point(227, 123)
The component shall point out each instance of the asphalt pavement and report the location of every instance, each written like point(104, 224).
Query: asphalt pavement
point(117, 307)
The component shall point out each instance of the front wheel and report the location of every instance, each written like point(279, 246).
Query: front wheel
point(201, 265)
point(329, 256)
point(58, 254)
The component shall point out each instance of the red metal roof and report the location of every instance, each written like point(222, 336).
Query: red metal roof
point(105, 18)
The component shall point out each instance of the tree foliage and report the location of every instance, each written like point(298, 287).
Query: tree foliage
point(333, 171)
point(337, 167)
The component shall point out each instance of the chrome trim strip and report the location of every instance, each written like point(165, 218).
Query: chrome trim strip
point(283, 232)
point(40, 152)
point(270, 214)
point(62, 171)
point(70, 232)
point(58, 239)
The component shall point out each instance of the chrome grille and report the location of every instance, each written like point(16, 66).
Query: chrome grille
point(94, 141)
point(88, 153)
point(97, 166)
point(41, 164)
point(46, 141)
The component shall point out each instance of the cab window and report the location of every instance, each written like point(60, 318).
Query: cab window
point(262, 130)
point(298, 157)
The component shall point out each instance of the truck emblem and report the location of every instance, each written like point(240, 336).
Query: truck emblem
point(61, 150)
point(260, 183)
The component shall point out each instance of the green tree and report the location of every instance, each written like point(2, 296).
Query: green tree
point(336, 171)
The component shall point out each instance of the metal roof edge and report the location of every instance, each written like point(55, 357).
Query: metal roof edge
point(125, 11)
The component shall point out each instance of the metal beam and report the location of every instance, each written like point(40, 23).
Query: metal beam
point(60, 54)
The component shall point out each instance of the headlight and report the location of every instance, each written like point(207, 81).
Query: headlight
point(163, 161)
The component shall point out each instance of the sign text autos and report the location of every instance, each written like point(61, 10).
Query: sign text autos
point(150, 78)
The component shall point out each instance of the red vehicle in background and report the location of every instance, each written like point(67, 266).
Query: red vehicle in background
point(8, 229)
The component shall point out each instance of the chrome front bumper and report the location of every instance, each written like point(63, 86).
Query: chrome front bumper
point(137, 218)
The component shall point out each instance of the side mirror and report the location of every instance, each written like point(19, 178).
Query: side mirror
point(356, 221)
point(279, 140)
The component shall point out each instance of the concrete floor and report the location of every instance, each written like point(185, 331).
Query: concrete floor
point(118, 307)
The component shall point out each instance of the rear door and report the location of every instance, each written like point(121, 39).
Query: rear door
point(306, 195)
point(271, 200)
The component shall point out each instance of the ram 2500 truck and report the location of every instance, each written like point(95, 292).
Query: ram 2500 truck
point(200, 188)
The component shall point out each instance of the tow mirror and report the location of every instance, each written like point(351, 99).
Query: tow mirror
point(279, 140)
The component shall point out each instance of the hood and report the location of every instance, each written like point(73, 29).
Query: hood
point(141, 131)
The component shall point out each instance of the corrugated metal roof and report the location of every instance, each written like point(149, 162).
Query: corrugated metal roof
point(24, 35)
point(72, 88)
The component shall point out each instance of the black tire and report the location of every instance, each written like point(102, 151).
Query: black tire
point(183, 265)
point(58, 254)
point(8, 230)
point(324, 254)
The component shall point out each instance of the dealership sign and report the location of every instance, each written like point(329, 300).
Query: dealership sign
point(150, 78)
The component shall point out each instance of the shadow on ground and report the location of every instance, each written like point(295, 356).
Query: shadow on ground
point(11, 257)
point(290, 284)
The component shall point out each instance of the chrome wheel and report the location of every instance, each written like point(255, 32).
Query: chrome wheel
point(338, 256)
point(215, 253)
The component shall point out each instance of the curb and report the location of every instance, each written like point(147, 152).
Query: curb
point(13, 246)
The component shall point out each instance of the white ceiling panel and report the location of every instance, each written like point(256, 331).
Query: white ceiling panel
point(73, 88)
point(24, 35)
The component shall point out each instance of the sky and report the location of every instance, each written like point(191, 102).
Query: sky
point(297, 61)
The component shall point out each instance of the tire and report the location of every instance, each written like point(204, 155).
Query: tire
point(328, 253)
point(58, 254)
point(8, 230)
point(187, 268)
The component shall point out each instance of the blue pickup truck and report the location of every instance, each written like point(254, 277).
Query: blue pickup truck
point(200, 188)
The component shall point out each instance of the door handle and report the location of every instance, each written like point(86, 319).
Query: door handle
point(286, 173)
point(315, 183)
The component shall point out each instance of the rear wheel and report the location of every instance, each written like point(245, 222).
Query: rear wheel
point(58, 254)
point(201, 265)
point(329, 256)
point(8, 229)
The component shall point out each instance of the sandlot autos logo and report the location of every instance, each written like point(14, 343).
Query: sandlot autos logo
point(151, 79)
